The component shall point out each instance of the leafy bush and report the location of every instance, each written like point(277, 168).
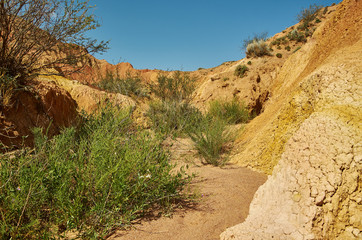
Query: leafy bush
point(32, 29)
point(295, 35)
point(176, 88)
point(279, 55)
point(91, 179)
point(173, 117)
point(232, 112)
point(309, 14)
point(287, 48)
point(256, 38)
point(249, 63)
point(278, 41)
point(257, 48)
point(241, 70)
point(211, 141)
point(130, 85)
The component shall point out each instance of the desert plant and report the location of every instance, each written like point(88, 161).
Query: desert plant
point(255, 38)
point(91, 179)
point(309, 14)
point(241, 70)
point(279, 55)
point(296, 35)
point(287, 48)
point(257, 48)
point(231, 112)
point(211, 141)
point(173, 117)
point(249, 63)
point(175, 88)
point(32, 29)
point(129, 85)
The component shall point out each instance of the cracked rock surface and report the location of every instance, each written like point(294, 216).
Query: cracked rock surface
point(314, 191)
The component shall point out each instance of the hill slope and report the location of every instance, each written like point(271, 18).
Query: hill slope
point(311, 132)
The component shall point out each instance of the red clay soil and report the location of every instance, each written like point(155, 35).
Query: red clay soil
point(225, 192)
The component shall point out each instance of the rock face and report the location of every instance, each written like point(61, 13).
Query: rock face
point(88, 98)
point(46, 106)
point(311, 132)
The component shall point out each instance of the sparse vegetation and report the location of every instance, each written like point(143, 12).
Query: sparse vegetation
point(296, 35)
point(173, 117)
point(241, 70)
point(130, 85)
point(307, 15)
point(232, 112)
point(287, 48)
point(91, 179)
point(256, 38)
point(279, 55)
point(257, 48)
point(175, 88)
point(211, 140)
point(249, 63)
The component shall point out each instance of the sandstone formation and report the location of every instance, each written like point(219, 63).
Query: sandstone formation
point(89, 99)
point(44, 105)
point(309, 137)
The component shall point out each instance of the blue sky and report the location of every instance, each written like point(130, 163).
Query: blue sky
point(186, 35)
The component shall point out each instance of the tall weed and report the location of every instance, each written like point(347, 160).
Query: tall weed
point(211, 139)
point(173, 117)
point(232, 112)
point(92, 179)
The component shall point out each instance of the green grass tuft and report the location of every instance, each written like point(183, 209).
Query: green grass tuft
point(232, 112)
point(91, 179)
point(241, 70)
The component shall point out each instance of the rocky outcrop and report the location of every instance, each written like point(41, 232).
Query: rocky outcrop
point(310, 139)
point(89, 99)
point(44, 105)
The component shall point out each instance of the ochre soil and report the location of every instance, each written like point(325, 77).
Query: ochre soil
point(225, 194)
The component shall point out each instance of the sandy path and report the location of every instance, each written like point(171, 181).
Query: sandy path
point(226, 195)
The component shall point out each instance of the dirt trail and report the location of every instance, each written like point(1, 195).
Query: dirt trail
point(225, 197)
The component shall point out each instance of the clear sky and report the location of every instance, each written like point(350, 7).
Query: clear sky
point(186, 35)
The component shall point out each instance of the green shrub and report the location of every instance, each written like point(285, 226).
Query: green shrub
point(173, 117)
point(232, 112)
point(317, 20)
point(249, 63)
point(175, 88)
point(241, 70)
point(287, 48)
point(130, 85)
point(211, 141)
point(257, 48)
point(296, 35)
point(91, 179)
point(279, 47)
point(309, 14)
point(279, 55)
point(256, 38)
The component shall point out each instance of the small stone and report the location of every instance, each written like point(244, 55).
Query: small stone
point(356, 232)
